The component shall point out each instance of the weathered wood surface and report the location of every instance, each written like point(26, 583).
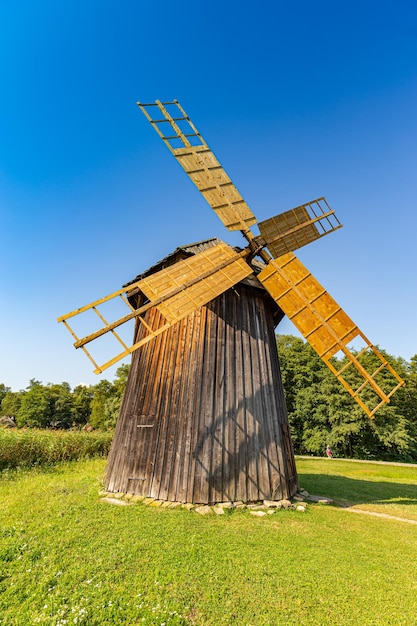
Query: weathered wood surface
point(203, 418)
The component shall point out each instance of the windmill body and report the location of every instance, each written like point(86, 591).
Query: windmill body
point(203, 417)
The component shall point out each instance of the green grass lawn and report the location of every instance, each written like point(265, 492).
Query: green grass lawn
point(68, 558)
point(383, 488)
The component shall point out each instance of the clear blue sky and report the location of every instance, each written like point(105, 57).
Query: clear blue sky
point(297, 100)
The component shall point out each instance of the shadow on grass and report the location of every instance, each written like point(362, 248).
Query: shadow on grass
point(358, 491)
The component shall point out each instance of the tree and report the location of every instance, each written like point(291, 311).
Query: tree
point(298, 376)
point(120, 381)
point(11, 402)
point(36, 409)
point(305, 377)
point(321, 412)
point(82, 397)
point(46, 406)
point(3, 391)
point(386, 436)
point(102, 392)
point(62, 405)
point(405, 401)
point(56, 406)
point(107, 399)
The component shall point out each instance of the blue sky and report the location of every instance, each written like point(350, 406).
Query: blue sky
point(297, 100)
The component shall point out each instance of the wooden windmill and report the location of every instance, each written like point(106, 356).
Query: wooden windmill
point(203, 418)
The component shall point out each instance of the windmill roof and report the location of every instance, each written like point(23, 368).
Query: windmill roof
point(188, 250)
point(179, 253)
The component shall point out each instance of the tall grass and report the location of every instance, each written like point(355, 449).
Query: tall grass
point(31, 447)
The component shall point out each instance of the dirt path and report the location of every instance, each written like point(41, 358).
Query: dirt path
point(350, 509)
point(311, 458)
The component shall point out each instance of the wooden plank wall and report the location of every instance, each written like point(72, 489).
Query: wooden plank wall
point(203, 418)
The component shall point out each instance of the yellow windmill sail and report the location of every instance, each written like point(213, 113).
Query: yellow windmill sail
point(195, 157)
point(175, 291)
point(328, 329)
point(298, 227)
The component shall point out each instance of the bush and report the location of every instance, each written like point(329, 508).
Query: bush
point(27, 448)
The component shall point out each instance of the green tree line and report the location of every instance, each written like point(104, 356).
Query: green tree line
point(59, 406)
point(320, 411)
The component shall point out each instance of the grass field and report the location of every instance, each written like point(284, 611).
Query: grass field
point(68, 558)
point(384, 488)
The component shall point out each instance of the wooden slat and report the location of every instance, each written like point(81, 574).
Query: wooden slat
point(217, 479)
point(191, 467)
point(275, 231)
point(263, 434)
point(162, 469)
point(213, 182)
point(241, 386)
point(222, 267)
point(298, 227)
